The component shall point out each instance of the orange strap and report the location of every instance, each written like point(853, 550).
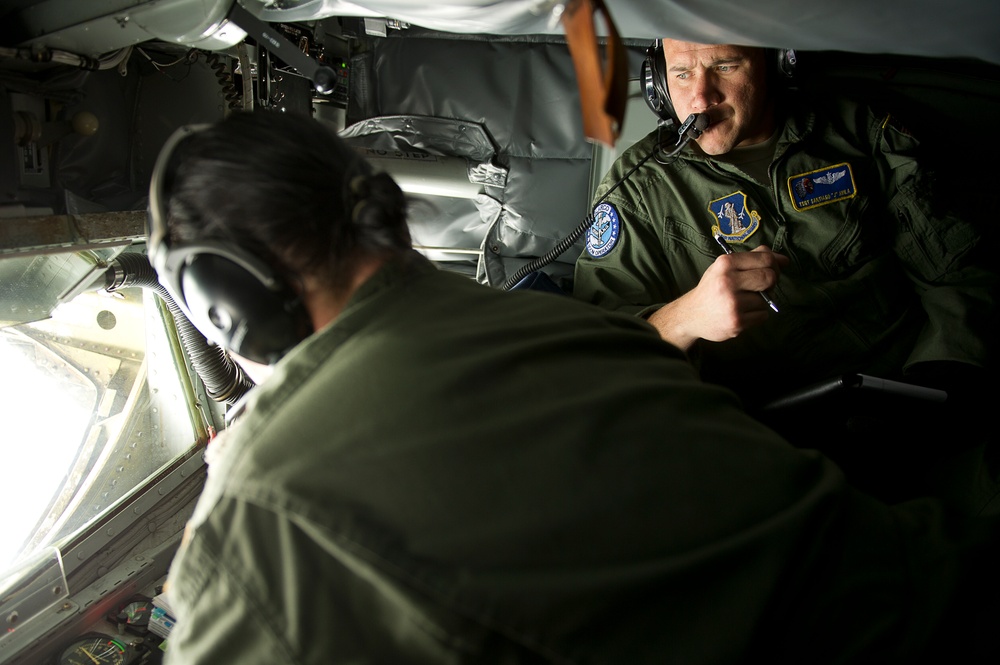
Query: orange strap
point(602, 93)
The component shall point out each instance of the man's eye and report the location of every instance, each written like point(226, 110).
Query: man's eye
point(684, 75)
point(727, 68)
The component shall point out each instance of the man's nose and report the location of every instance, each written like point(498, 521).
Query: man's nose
point(706, 92)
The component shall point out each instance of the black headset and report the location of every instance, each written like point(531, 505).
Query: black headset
point(653, 77)
point(231, 296)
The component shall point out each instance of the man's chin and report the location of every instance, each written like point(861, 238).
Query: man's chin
point(713, 147)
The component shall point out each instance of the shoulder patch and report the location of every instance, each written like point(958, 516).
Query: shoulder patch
point(822, 186)
point(604, 232)
point(735, 222)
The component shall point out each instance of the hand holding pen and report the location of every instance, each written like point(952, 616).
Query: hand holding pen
point(728, 250)
point(724, 303)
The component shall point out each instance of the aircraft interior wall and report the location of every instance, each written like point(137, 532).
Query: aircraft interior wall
point(486, 129)
point(521, 95)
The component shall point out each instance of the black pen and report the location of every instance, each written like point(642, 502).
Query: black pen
point(728, 250)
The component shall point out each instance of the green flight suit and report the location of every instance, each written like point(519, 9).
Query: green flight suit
point(880, 280)
point(453, 474)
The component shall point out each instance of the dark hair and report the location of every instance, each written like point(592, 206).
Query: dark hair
point(287, 189)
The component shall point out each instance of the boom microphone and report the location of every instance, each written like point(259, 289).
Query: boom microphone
point(702, 123)
point(692, 128)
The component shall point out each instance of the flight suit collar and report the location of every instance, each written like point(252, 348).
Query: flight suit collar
point(396, 270)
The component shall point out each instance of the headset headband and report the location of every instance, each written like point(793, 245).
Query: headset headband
point(233, 297)
point(158, 233)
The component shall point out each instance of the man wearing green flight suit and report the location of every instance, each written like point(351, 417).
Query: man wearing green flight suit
point(797, 253)
point(827, 212)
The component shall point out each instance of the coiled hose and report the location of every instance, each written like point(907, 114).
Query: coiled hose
point(692, 128)
point(224, 380)
point(549, 256)
point(229, 91)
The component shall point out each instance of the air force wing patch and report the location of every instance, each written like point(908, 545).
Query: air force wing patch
point(822, 186)
point(736, 222)
point(604, 232)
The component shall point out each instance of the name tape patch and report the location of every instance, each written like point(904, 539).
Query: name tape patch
point(822, 187)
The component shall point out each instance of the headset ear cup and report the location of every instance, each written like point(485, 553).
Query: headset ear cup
point(787, 61)
point(234, 308)
point(653, 78)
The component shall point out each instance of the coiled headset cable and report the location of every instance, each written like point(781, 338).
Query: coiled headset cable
point(692, 128)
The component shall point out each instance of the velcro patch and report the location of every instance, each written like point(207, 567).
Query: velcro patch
point(822, 186)
point(735, 221)
point(604, 232)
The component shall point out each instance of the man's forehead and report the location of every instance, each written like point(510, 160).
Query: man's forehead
point(686, 53)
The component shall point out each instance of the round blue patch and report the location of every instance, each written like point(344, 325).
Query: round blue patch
point(604, 232)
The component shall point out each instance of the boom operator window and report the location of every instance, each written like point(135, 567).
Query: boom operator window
point(93, 404)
